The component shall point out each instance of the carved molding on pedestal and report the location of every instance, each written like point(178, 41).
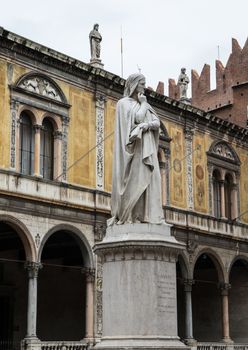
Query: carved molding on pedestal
point(137, 252)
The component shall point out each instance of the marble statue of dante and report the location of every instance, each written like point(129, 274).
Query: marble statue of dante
point(183, 81)
point(95, 39)
point(136, 182)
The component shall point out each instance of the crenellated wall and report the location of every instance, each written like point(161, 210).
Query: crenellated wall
point(229, 99)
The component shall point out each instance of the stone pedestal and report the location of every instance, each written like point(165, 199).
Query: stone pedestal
point(139, 287)
point(185, 100)
point(97, 63)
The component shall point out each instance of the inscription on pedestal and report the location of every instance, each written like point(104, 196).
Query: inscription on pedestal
point(166, 289)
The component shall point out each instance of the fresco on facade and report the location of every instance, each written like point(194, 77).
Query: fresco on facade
point(200, 174)
point(243, 186)
point(177, 170)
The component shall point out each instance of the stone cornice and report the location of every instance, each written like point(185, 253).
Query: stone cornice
point(22, 47)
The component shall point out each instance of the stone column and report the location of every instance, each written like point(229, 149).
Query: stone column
point(14, 136)
point(234, 200)
point(224, 287)
point(163, 181)
point(167, 174)
point(37, 129)
point(90, 279)
point(33, 269)
point(57, 155)
point(189, 339)
point(100, 107)
point(189, 168)
point(222, 198)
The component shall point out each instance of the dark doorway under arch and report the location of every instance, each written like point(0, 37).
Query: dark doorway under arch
point(206, 301)
point(238, 301)
point(13, 288)
point(61, 289)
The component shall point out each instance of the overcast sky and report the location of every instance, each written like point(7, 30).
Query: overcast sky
point(159, 36)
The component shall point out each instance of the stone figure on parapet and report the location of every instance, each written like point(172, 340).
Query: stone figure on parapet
point(183, 81)
point(95, 40)
point(136, 182)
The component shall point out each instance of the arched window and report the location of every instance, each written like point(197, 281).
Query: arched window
point(46, 149)
point(228, 186)
point(217, 193)
point(224, 183)
point(26, 144)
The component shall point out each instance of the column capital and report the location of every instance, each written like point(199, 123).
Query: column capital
point(100, 99)
point(188, 133)
point(89, 273)
point(33, 268)
point(14, 104)
point(37, 128)
point(58, 135)
point(224, 288)
point(188, 283)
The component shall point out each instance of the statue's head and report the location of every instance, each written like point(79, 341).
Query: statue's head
point(135, 83)
point(96, 26)
point(183, 70)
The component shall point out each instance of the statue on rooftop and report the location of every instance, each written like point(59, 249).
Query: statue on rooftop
point(95, 40)
point(136, 182)
point(183, 81)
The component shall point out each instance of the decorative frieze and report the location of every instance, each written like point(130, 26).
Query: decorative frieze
point(99, 314)
point(100, 106)
point(40, 86)
point(147, 252)
point(188, 132)
point(167, 174)
point(65, 125)
point(14, 105)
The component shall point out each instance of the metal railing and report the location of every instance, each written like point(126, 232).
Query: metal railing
point(63, 345)
point(221, 346)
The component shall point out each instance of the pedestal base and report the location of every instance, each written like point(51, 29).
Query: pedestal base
point(139, 287)
point(185, 100)
point(144, 343)
point(31, 343)
point(97, 63)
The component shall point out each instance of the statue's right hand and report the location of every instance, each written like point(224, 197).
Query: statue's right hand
point(141, 98)
point(143, 126)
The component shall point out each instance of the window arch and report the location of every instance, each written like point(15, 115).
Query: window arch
point(26, 144)
point(224, 190)
point(47, 149)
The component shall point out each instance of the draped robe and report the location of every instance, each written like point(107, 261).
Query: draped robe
point(136, 182)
